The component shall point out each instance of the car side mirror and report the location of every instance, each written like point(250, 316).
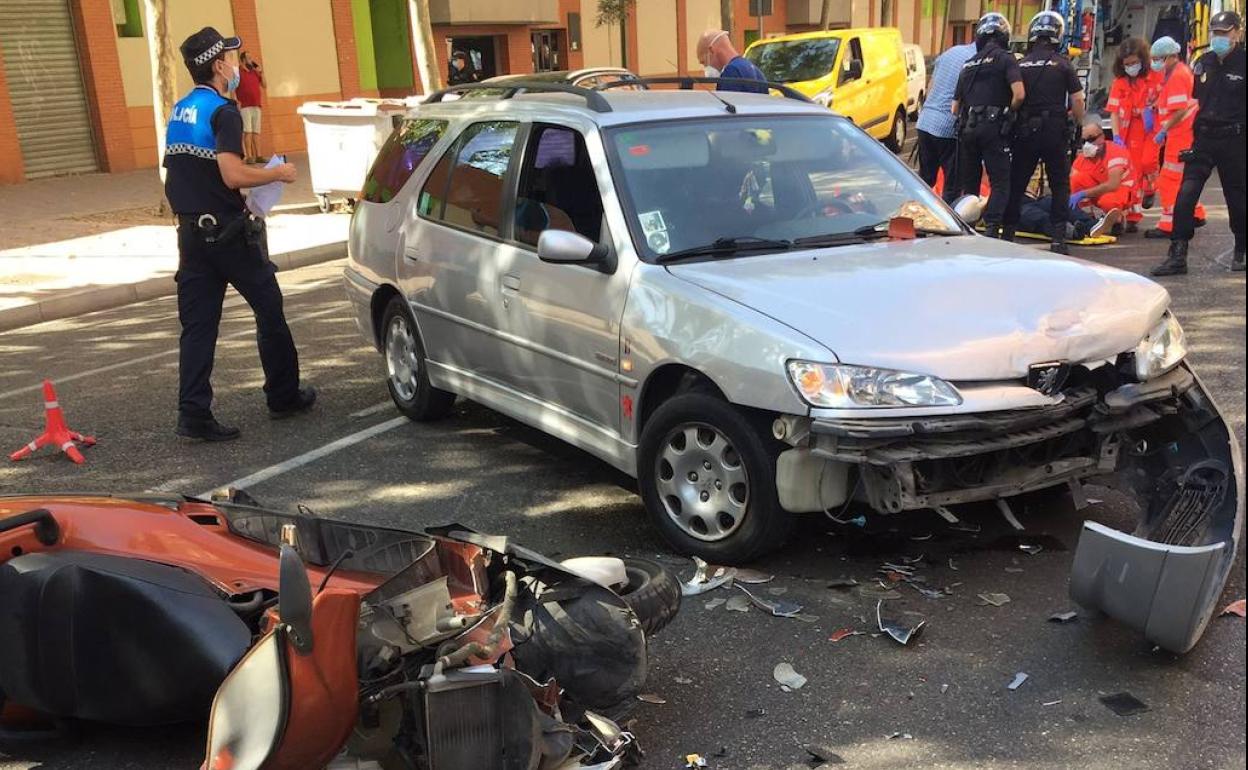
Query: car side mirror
point(294, 598)
point(853, 72)
point(561, 247)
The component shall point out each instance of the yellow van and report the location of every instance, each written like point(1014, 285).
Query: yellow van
point(860, 73)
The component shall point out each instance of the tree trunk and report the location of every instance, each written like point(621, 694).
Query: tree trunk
point(725, 15)
point(825, 15)
point(164, 63)
point(422, 40)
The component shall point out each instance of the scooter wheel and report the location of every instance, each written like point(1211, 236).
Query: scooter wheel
point(652, 593)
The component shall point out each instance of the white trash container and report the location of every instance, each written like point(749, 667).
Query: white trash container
point(343, 140)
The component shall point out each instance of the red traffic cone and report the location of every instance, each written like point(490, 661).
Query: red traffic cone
point(56, 432)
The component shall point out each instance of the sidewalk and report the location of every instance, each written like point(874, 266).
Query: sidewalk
point(73, 245)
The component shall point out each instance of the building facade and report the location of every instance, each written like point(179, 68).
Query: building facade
point(76, 83)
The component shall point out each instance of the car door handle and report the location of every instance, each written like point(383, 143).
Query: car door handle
point(511, 283)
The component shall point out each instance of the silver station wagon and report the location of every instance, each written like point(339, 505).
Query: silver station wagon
point(759, 312)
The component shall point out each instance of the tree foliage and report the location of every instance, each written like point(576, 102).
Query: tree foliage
point(612, 12)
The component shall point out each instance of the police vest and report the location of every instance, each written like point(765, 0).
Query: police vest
point(190, 124)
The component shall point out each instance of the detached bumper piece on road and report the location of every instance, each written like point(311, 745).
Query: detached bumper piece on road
point(1162, 441)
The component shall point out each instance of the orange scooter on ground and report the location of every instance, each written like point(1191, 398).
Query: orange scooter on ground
point(309, 643)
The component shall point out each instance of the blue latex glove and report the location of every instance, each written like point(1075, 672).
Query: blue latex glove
point(1077, 198)
point(1150, 119)
point(1118, 140)
point(1159, 137)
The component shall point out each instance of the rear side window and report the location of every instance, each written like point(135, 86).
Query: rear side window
point(474, 197)
point(399, 156)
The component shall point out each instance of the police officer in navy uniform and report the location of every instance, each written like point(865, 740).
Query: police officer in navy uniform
point(219, 242)
point(990, 89)
point(1043, 130)
point(1219, 141)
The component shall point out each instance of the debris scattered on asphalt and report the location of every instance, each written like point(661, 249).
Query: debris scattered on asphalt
point(1063, 617)
point(877, 591)
point(1234, 608)
point(944, 688)
point(788, 678)
point(1018, 680)
point(753, 576)
point(1052, 702)
point(738, 603)
point(900, 736)
point(897, 630)
point(843, 633)
point(930, 593)
point(756, 713)
point(777, 607)
point(1008, 514)
point(1014, 570)
point(706, 577)
point(820, 755)
point(653, 700)
point(921, 538)
point(996, 600)
point(962, 526)
point(715, 603)
point(1124, 704)
point(682, 680)
point(843, 583)
point(952, 566)
point(777, 590)
point(1031, 549)
point(694, 760)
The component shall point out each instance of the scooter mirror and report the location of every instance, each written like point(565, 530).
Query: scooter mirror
point(294, 599)
point(969, 208)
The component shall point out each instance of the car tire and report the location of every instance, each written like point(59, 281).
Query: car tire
point(652, 593)
point(730, 515)
point(407, 377)
point(897, 131)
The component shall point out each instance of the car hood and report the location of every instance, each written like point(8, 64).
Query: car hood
point(965, 308)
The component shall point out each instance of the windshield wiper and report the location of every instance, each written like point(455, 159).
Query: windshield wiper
point(721, 247)
point(862, 235)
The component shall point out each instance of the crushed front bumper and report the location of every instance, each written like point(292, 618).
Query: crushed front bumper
point(1163, 441)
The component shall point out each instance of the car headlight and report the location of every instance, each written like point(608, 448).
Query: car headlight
point(1162, 350)
point(840, 386)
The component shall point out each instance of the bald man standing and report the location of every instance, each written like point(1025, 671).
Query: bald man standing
point(721, 60)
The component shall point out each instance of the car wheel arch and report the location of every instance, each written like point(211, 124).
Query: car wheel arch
point(669, 380)
point(377, 309)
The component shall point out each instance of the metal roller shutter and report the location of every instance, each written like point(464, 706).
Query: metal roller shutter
point(45, 85)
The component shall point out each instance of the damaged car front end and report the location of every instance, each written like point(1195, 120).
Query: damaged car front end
point(1140, 422)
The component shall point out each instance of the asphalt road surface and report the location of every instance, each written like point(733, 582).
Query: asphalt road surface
point(946, 693)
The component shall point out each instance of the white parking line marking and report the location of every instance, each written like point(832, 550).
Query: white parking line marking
point(374, 409)
point(312, 456)
point(163, 354)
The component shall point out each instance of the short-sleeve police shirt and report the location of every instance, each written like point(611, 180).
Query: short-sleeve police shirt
point(987, 78)
point(1219, 87)
point(201, 125)
point(1048, 79)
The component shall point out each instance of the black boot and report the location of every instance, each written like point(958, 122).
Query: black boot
point(1237, 261)
point(993, 230)
point(1007, 232)
point(1176, 261)
point(1059, 242)
point(206, 429)
point(302, 402)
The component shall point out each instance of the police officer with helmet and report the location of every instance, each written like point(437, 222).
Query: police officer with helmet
point(989, 91)
point(1043, 130)
point(1219, 141)
point(219, 242)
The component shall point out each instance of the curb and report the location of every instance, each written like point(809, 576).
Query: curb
point(107, 297)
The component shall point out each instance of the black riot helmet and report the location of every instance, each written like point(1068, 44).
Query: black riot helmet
point(1046, 25)
point(992, 26)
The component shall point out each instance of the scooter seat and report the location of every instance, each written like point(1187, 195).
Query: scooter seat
point(113, 639)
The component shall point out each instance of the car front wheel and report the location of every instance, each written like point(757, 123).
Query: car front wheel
point(707, 477)
point(897, 133)
point(406, 375)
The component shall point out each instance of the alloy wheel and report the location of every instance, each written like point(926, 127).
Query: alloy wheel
point(402, 363)
point(702, 482)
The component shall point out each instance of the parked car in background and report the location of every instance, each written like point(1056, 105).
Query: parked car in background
point(916, 78)
point(758, 311)
point(860, 73)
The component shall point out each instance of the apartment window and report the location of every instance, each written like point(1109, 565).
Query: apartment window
point(574, 31)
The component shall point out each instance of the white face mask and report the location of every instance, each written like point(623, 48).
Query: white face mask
point(1090, 149)
point(710, 71)
point(1133, 69)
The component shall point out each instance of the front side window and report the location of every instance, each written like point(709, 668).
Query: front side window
point(854, 54)
point(789, 179)
point(399, 156)
point(558, 189)
point(474, 194)
point(794, 61)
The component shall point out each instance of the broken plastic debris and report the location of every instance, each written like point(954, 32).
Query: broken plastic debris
point(996, 600)
point(777, 607)
point(756, 713)
point(901, 736)
point(822, 754)
point(1018, 680)
point(738, 603)
point(1052, 702)
point(944, 688)
point(706, 577)
point(1031, 549)
point(930, 593)
point(1124, 704)
point(682, 680)
point(1008, 514)
point(900, 632)
point(843, 582)
point(651, 699)
point(952, 566)
point(714, 603)
point(843, 633)
point(777, 591)
point(964, 527)
point(1234, 608)
point(753, 576)
point(694, 760)
point(1063, 617)
point(787, 677)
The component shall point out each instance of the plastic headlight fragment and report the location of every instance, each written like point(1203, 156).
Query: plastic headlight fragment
point(1162, 350)
point(841, 386)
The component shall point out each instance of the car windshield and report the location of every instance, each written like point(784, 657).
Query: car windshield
point(794, 180)
point(793, 61)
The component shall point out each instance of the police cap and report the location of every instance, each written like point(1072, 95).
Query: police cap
point(1224, 21)
point(206, 45)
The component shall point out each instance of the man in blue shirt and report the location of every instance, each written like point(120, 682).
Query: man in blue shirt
point(721, 60)
point(938, 142)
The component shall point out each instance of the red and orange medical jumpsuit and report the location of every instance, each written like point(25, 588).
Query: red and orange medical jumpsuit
point(1129, 97)
point(1087, 173)
point(1174, 97)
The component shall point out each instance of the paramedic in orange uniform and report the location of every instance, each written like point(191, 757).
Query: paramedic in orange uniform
point(1101, 174)
point(1176, 114)
point(1134, 118)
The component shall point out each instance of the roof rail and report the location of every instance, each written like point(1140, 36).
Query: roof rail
point(686, 83)
point(596, 101)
